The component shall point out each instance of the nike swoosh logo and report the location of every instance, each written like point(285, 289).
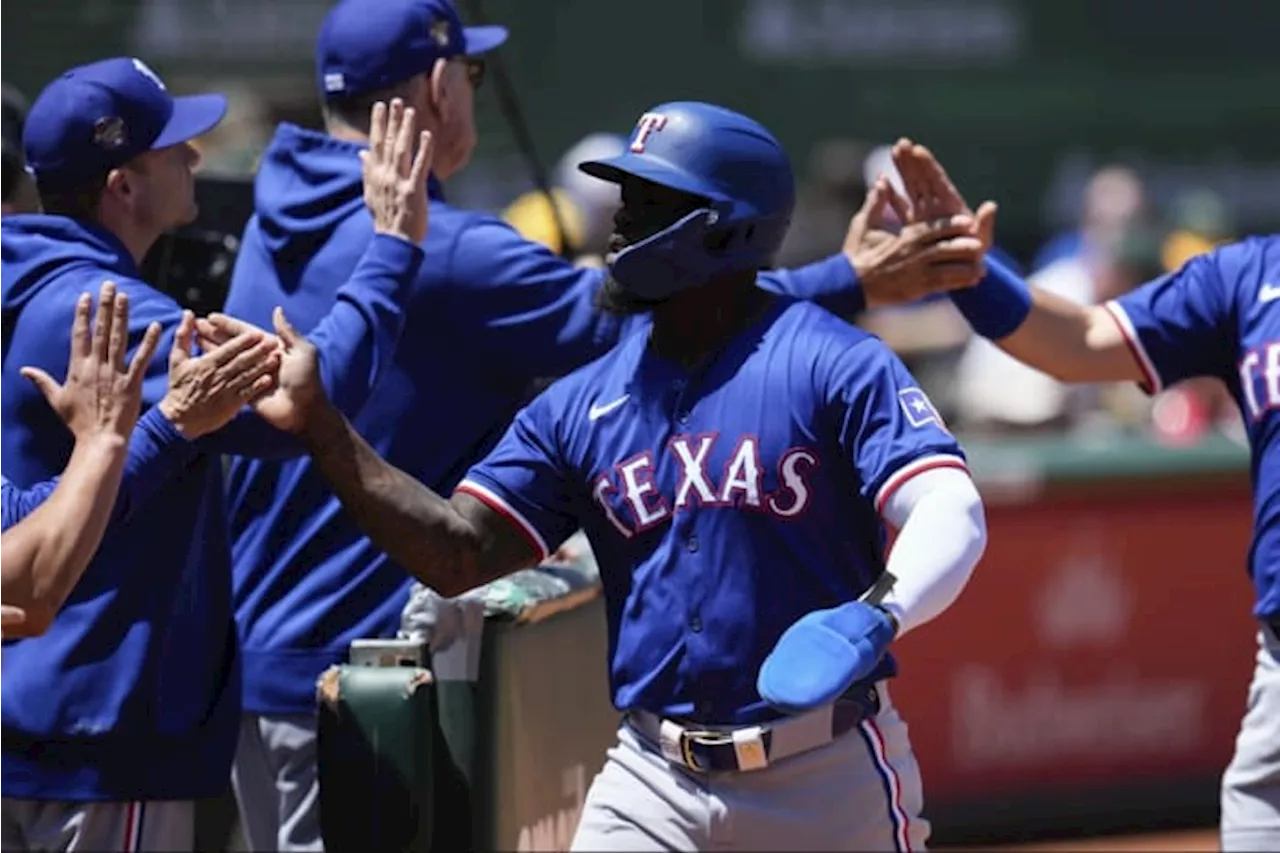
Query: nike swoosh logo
point(1268, 292)
point(597, 412)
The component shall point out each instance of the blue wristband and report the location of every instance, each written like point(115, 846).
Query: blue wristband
point(998, 304)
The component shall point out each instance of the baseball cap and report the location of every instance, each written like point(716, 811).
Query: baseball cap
point(366, 45)
point(99, 116)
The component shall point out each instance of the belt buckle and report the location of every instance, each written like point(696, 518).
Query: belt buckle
point(686, 752)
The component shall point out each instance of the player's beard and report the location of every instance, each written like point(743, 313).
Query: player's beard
point(614, 298)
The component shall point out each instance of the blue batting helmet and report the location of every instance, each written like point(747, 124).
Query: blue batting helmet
point(719, 155)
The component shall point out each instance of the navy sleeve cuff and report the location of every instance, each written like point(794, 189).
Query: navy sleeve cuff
point(156, 452)
point(393, 253)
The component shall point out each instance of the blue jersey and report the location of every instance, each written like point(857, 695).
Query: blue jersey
point(1219, 315)
point(723, 505)
point(489, 315)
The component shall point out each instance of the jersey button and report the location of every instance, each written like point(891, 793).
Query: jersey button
point(683, 417)
point(693, 544)
point(695, 624)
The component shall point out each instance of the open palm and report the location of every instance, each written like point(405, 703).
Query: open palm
point(931, 195)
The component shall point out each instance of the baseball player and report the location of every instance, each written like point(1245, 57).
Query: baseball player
point(1215, 316)
point(735, 463)
point(126, 709)
point(490, 316)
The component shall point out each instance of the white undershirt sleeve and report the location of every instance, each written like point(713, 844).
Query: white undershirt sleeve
point(942, 532)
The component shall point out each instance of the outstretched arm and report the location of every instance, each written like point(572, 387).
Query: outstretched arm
point(449, 544)
point(1071, 342)
point(1068, 341)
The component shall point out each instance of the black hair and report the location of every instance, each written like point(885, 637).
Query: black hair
point(13, 116)
point(10, 169)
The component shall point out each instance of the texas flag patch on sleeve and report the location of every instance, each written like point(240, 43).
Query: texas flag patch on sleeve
point(918, 409)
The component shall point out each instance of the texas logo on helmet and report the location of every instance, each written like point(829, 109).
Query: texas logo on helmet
point(649, 123)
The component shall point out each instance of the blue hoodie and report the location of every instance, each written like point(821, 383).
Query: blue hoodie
point(133, 692)
point(489, 315)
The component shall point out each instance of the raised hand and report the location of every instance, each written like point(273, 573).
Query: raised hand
point(101, 396)
point(920, 259)
point(932, 196)
point(207, 391)
point(298, 387)
point(395, 172)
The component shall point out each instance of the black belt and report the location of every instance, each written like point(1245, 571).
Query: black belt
point(755, 747)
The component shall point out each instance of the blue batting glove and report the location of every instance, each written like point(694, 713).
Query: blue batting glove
point(824, 654)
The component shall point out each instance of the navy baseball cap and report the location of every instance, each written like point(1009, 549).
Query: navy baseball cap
point(97, 117)
point(366, 45)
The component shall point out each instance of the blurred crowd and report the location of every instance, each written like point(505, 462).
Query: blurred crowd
point(1118, 240)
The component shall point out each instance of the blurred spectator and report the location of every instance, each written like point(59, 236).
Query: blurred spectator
point(1113, 198)
point(996, 393)
point(825, 203)
point(1187, 412)
point(1200, 221)
point(584, 206)
point(1113, 249)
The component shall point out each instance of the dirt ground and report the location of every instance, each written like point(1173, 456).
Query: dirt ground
point(1199, 841)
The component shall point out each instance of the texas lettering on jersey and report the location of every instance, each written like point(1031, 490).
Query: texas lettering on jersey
point(1260, 380)
point(633, 503)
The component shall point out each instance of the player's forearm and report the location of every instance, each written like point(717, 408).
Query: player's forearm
point(44, 555)
point(942, 536)
point(417, 528)
point(1071, 342)
point(1068, 341)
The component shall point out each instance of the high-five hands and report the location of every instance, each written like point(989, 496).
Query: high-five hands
point(937, 243)
point(297, 388)
point(932, 196)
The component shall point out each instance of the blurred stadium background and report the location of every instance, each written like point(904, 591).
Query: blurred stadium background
point(1093, 676)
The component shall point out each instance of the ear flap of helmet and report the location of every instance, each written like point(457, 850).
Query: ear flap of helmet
point(672, 260)
point(692, 251)
point(754, 241)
